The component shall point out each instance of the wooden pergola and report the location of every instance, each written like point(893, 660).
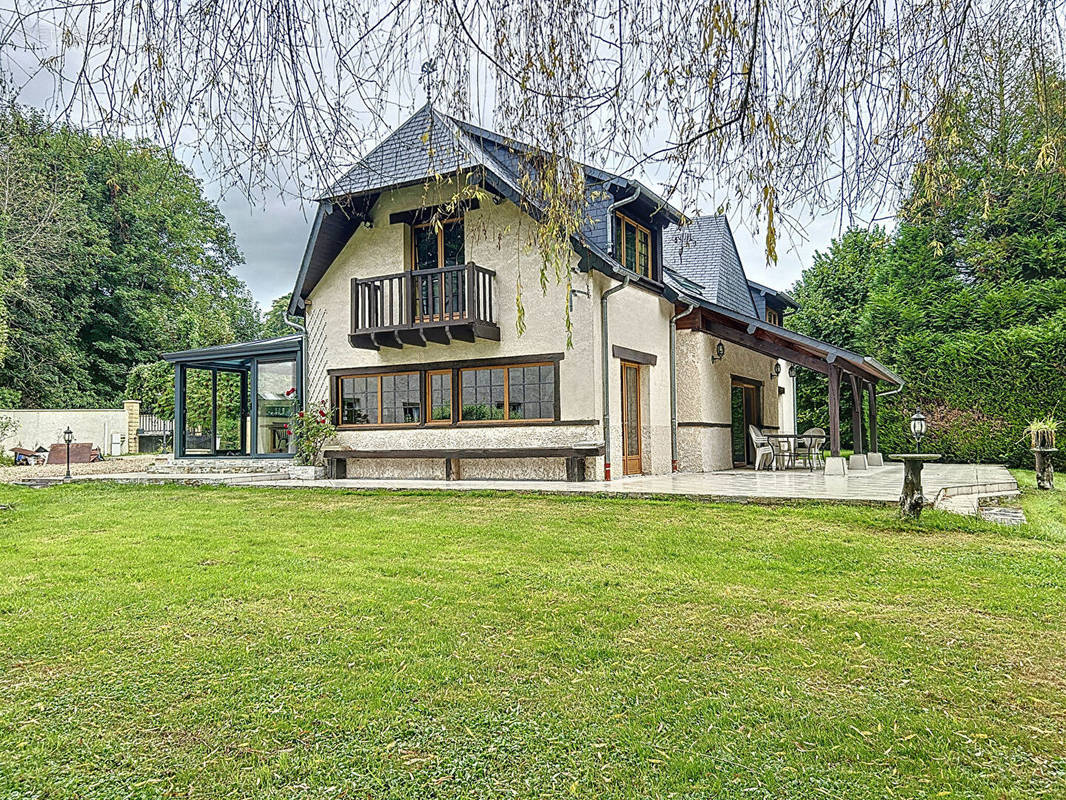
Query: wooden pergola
point(863, 373)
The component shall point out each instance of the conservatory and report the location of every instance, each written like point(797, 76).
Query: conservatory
point(236, 400)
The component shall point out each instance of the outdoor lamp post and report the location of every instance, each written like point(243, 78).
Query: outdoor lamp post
point(68, 437)
point(918, 429)
point(911, 499)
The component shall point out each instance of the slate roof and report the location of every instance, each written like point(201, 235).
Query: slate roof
point(704, 253)
point(430, 144)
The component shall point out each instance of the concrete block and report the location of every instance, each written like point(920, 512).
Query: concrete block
point(857, 461)
point(834, 466)
point(875, 460)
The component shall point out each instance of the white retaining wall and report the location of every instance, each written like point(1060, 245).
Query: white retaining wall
point(44, 427)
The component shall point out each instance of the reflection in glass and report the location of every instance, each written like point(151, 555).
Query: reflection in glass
point(276, 396)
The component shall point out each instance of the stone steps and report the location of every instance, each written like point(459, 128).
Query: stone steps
point(221, 466)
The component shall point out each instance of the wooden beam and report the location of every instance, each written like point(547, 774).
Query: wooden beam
point(873, 417)
point(765, 347)
point(856, 414)
point(834, 410)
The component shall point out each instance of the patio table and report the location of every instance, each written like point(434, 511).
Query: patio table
point(788, 455)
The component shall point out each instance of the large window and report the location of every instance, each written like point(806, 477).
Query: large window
point(520, 392)
point(389, 399)
point(635, 250)
point(448, 396)
point(276, 397)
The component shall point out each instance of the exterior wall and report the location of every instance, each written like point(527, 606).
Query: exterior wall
point(498, 237)
point(703, 398)
point(44, 427)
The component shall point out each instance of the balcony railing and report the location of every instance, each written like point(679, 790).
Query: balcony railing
point(420, 306)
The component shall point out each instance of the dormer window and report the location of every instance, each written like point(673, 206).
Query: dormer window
point(634, 251)
point(773, 316)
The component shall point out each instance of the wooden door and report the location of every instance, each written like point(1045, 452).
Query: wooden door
point(631, 438)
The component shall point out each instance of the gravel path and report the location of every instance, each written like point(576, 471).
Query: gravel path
point(122, 464)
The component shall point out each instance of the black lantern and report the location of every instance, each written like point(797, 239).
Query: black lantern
point(792, 370)
point(719, 350)
point(918, 429)
point(777, 369)
point(68, 437)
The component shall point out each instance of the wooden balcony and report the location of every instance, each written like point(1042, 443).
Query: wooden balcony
point(421, 306)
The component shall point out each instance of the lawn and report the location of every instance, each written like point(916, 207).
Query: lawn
point(240, 642)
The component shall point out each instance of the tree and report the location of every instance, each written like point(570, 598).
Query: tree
point(776, 104)
point(114, 257)
point(273, 323)
point(833, 294)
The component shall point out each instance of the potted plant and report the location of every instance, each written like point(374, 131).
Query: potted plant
point(1042, 435)
point(311, 428)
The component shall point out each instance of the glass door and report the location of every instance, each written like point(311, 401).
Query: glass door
point(744, 407)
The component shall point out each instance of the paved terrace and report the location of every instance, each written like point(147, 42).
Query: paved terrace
point(876, 485)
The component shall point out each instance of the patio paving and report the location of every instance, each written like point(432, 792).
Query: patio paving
point(877, 485)
point(956, 486)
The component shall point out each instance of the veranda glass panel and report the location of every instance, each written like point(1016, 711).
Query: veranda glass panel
point(276, 397)
point(229, 411)
point(198, 412)
point(483, 394)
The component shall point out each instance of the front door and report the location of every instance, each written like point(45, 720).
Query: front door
point(631, 445)
point(744, 411)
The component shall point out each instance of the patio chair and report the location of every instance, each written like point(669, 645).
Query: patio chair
point(809, 447)
point(764, 451)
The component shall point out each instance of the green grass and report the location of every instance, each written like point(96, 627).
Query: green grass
point(1045, 510)
point(240, 642)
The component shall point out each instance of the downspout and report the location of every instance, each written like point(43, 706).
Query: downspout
point(897, 390)
point(302, 330)
point(673, 384)
point(611, 244)
point(606, 369)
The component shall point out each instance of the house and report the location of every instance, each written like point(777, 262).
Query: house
point(428, 335)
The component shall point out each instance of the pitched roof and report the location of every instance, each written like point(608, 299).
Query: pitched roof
point(432, 144)
point(704, 253)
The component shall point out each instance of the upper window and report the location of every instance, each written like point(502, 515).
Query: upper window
point(438, 244)
point(635, 246)
point(773, 316)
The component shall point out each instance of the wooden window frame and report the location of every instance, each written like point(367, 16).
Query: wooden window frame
point(455, 368)
point(379, 424)
point(429, 397)
point(623, 220)
point(776, 316)
point(507, 394)
point(440, 240)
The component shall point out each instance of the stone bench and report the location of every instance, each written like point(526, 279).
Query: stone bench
point(575, 456)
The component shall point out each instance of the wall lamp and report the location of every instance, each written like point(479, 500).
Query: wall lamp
point(719, 350)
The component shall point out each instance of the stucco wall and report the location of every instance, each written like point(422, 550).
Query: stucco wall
point(703, 398)
point(786, 402)
point(498, 237)
point(44, 427)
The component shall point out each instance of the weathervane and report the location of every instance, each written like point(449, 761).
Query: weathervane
point(428, 68)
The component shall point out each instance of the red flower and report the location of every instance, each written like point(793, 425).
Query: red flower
point(291, 392)
point(300, 414)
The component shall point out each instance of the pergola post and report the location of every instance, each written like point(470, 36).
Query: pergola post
point(856, 414)
point(872, 434)
point(834, 411)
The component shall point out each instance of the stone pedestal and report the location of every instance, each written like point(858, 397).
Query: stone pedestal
point(1045, 472)
point(911, 499)
point(857, 461)
point(834, 465)
point(875, 460)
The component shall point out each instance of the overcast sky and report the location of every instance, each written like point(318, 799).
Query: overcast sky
point(272, 236)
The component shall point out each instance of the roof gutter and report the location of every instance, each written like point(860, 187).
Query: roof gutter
point(606, 372)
